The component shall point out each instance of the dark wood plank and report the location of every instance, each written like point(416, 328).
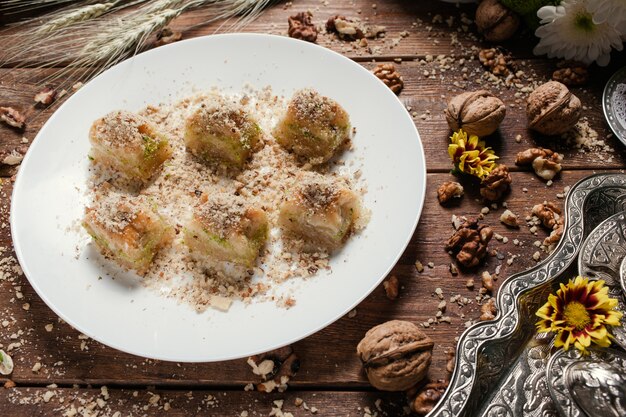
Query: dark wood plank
point(412, 28)
point(31, 402)
point(67, 358)
point(426, 96)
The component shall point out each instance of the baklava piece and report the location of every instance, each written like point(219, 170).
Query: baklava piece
point(127, 229)
point(128, 144)
point(225, 228)
point(223, 133)
point(321, 211)
point(314, 127)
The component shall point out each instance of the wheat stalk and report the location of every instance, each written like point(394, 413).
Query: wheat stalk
point(90, 38)
point(81, 14)
point(20, 6)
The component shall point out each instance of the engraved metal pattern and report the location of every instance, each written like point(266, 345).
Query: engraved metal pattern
point(601, 257)
point(622, 276)
point(612, 111)
point(597, 388)
point(486, 350)
point(600, 389)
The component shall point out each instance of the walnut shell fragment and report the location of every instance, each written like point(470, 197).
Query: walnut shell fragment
point(496, 22)
point(396, 355)
point(496, 184)
point(476, 112)
point(469, 243)
point(449, 190)
point(552, 109)
point(302, 27)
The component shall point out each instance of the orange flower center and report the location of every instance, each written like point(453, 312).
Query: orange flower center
point(576, 315)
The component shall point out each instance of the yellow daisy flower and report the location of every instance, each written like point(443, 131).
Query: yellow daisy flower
point(471, 156)
point(579, 314)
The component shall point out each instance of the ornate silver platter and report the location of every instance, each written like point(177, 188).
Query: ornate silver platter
point(593, 385)
point(501, 364)
point(602, 256)
point(614, 104)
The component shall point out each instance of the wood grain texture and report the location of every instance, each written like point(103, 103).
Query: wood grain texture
point(428, 87)
point(31, 402)
point(331, 376)
point(68, 359)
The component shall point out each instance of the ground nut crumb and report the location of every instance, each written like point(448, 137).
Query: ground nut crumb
point(270, 171)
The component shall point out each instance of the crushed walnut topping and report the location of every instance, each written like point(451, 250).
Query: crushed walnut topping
point(222, 213)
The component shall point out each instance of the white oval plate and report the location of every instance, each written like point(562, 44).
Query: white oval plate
point(49, 199)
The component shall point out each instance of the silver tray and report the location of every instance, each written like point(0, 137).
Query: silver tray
point(501, 364)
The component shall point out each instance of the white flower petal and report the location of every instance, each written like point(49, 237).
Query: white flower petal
point(571, 31)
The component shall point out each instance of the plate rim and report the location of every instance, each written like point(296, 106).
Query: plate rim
point(18, 247)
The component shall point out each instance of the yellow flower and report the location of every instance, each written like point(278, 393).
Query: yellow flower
point(579, 314)
point(471, 156)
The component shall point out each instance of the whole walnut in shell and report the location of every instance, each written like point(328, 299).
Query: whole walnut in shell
point(496, 22)
point(476, 112)
point(552, 109)
point(396, 355)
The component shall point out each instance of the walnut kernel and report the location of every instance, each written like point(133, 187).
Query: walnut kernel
point(488, 310)
point(509, 218)
point(449, 190)
point(495, 185)
point(496, 61)
point(469, 243)
point(396, 355)
point(387, 74)
point(302, 27)
point(545, 162)
point(45, 97)
point(571, 73)
point(391, 286)
point(428, 397)
point(346, 29)
point(166, 36)
point(275, 367)
point(12, 117)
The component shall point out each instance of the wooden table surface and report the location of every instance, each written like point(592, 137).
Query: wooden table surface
point(434, 47)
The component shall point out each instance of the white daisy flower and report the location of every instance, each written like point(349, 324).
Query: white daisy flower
point(611, 11)
point(568, 31)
